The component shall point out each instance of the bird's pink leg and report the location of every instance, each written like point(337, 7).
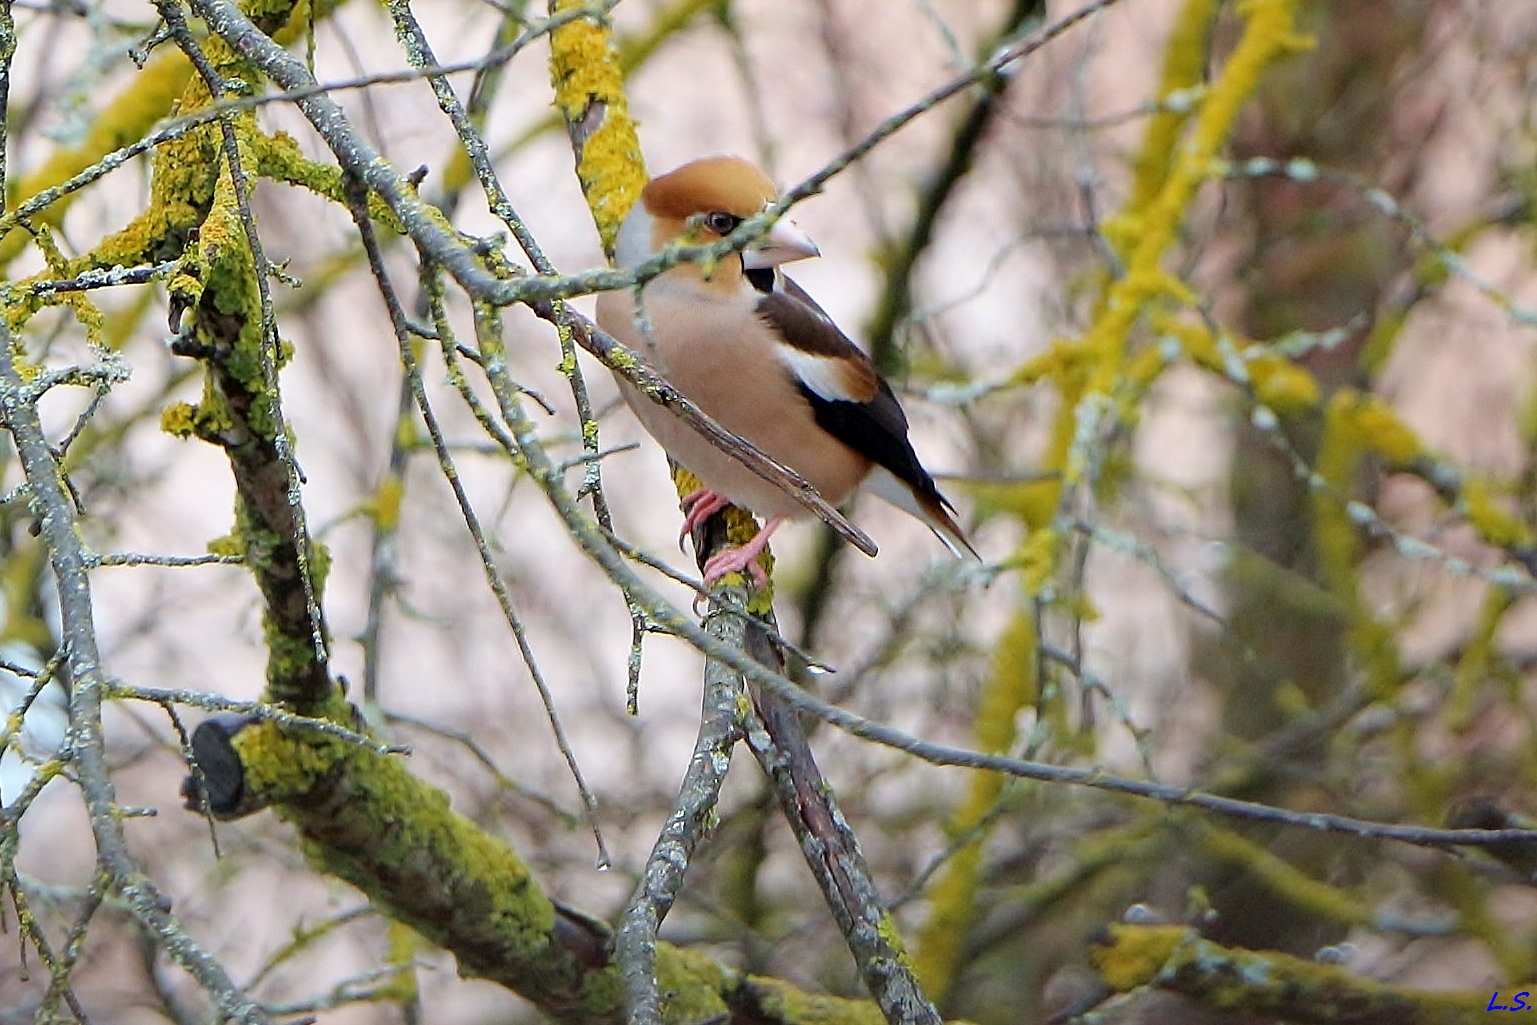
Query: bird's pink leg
point(699, 506)
point(744, 557)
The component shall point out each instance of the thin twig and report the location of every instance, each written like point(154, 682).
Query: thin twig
point(259, 711)
point(498, 586)
point(56, 520)
point(420, 52)
point(778, 740)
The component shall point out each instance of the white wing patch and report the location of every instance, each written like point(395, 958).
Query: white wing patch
point(827, 377)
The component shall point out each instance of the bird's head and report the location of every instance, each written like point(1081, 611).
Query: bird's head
point(702, 202)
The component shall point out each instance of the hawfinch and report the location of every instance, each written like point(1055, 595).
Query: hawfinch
point(757, 354)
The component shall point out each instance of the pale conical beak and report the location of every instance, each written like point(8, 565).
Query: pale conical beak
point(784, 244)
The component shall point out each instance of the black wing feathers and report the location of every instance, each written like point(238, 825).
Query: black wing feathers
point(876, 429)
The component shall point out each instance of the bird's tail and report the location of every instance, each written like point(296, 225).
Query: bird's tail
point(930, 507)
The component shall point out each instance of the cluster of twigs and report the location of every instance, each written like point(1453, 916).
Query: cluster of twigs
point(304, 750)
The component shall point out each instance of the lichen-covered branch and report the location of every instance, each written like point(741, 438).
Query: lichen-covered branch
point(154, 91)
point(222, 315)
point(1176, 959)
point(364, 818)
point(721, 725)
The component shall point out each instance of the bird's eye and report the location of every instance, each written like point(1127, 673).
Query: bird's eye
point(721, 223)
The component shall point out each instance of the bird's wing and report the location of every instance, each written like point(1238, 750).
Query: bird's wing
point(853, 404)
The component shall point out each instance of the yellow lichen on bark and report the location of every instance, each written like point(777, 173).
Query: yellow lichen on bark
point(589, 91)
point(1154, 222)
point(1185, 59)
point(1090, 371)
point(156, 91)
point(1134, 955)
point(1099, 384)
point(1338, 541)
point(1265, 983)
point(1495, 525)
point(126, 119)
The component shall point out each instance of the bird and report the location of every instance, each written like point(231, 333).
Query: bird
point(756, 353)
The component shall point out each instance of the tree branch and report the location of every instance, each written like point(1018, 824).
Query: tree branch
point(55, 511)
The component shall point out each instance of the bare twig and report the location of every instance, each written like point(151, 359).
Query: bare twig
point(493, 576)
point(778, 740)
point(56, 518)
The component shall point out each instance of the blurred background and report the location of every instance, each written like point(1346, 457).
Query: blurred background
point(1208, 619)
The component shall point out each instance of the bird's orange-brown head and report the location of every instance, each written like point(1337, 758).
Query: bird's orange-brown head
point(725, 185)
point(704, 201)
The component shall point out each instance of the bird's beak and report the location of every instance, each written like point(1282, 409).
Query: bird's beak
point(784, 244)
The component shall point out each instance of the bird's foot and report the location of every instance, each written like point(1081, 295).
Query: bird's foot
point(734, 560)
point(699, 506)
point(738, 558)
